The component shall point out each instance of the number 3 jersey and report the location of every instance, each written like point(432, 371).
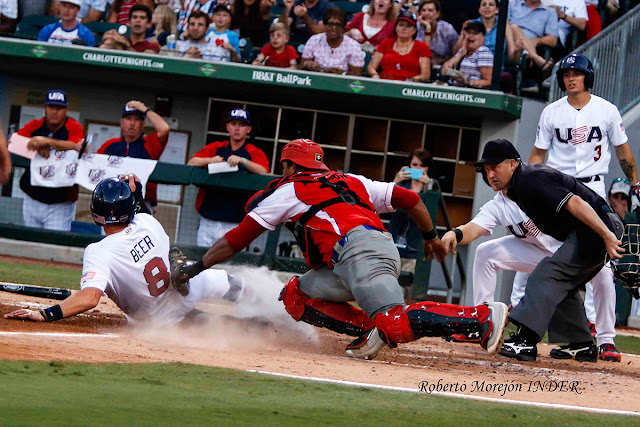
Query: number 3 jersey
point(578, 140)
point(132, 268)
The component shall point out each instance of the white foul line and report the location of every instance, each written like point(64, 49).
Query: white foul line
point(446, 394)
point(60, 334)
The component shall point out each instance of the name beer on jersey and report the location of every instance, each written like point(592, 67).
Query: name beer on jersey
point(143, 246)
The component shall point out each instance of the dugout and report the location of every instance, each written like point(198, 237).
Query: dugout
point(365, 126)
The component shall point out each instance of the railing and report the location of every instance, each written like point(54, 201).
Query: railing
point(615, 54)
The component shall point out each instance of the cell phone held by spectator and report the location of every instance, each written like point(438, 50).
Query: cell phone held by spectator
point(415, 173)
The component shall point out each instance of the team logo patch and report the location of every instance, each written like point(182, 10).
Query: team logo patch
point(96, 175)
point(621, 127)
point(571, 60)
point(318, 157)
point(47, 172)
point(72, 169)
point(88, 276)
point(114, 160)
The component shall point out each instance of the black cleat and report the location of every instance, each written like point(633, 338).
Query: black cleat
point(582, 352)
point(517, 348)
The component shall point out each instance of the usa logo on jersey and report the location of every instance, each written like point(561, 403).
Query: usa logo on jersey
point(579, 135)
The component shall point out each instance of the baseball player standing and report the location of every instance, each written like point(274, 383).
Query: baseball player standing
point(577, 131)
point(131, 266)
point(334, 217)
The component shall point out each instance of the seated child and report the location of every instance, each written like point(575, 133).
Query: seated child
point(278, 53)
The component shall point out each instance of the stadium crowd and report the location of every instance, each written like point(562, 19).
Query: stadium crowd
point(449, 41)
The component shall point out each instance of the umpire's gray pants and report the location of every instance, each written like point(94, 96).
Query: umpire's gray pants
point(551, 300)
point(367, 272)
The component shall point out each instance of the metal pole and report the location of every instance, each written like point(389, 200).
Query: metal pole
point(620, 71)
point(499, 53)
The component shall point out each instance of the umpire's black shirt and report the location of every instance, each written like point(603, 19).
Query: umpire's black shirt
point(542, 192)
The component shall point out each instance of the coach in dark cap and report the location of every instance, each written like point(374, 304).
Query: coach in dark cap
point(569, 211)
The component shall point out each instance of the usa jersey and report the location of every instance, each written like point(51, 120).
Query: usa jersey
point(55, 33)
point(503, 211)
point(578, 140)
point(132, 268)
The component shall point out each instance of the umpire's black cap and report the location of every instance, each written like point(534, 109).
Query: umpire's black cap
point(497, 151)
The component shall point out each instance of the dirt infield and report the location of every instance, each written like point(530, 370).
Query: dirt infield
point(290, 348)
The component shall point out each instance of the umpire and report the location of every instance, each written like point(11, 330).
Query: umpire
point(566, 209)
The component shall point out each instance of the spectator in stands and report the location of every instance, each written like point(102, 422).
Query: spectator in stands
point(217, 217)
point(68, 28)
point(217, 48)
point(571, 14)
point(90, 10)
point(190, 6)
point(8, 15)
point(474, 59)
point(304, 17)
point(405, 232)
point(402, 58)
point(488, 16)
point(163, 23)
point(222, 37)
point(439, 35)
point(533, 25)
point(32, 7)
point(594, 21)
point(278, 53)
point(618, 197)
point(252, 19)
point(120, 10)
point(139, 22)
point(333, 51)
point(46, 207)
point(5, 159)
point(375, 25)
point(134, 143)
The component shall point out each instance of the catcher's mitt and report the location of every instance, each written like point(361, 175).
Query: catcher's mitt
point(178, 262)
point(627, 268)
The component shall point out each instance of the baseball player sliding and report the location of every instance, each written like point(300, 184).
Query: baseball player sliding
point(131, 266)
point(334, 217)
point(577, 131)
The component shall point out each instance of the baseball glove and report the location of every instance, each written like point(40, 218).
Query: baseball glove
point(178, 262)
point(627, 268)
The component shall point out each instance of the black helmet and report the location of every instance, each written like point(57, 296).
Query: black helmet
point(577, 62)
point(112, 202)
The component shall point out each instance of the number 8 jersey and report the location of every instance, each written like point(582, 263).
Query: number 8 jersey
point(132, 268)
point(578, 140)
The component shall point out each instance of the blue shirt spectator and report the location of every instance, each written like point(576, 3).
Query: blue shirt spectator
point(68, 28)
point(91, 10)
point(536, 22)
point(304, 17)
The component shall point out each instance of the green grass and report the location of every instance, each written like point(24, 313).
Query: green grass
point(33, 274)
point(60, 393)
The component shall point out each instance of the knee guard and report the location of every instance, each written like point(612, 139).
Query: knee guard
point(340, 317)
point(405, 324)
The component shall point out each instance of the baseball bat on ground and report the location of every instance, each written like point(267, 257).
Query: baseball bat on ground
point(36, 291)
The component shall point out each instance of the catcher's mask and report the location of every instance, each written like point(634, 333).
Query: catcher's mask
point(627, 268)
point(112, 202)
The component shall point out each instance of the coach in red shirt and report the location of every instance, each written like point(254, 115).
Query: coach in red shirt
point(222, 210)
point(45, 207)
point(134, 143)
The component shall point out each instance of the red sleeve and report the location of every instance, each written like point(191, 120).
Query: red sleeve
point(355, 21)
point(258, 156)
point(30, 127)
point(154, 145)
point(245, 233)
point(76, 133)
point(385, 45)
point(266, 49)
point(209, 150)
point(153, 46)
point(106, 145)
point(291, 52)
point(422, 49)
point(403, 198)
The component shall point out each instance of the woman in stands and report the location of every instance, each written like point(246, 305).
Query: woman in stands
point(374, 25)
point(252, 18)
point(439, 35)
point(164, 21)
point(474, 59)
point(120, 9)
point(403, 57)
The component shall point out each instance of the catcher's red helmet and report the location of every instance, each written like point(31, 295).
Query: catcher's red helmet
point(306, 153)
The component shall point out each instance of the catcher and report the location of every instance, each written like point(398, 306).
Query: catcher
point(334, 217)
point(130, 266)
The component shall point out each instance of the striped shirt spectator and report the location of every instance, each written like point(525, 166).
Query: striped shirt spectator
point(120, 9)
point(190, 6)
point(470, 65)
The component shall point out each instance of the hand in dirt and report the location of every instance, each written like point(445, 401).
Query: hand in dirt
point(25, 314)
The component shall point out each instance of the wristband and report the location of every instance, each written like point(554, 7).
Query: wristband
point(195, 269)
point(458, 234)
point(429, 235)
point(147, 112)
point(51, 314)
point(245, 163)
point(635, 186)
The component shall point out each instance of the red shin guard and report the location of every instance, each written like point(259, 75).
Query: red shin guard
point(405, 324)
point(339, 317)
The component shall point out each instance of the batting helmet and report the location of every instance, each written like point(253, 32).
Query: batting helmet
point(577, 62)
point(112, 202)
point(305, 153)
